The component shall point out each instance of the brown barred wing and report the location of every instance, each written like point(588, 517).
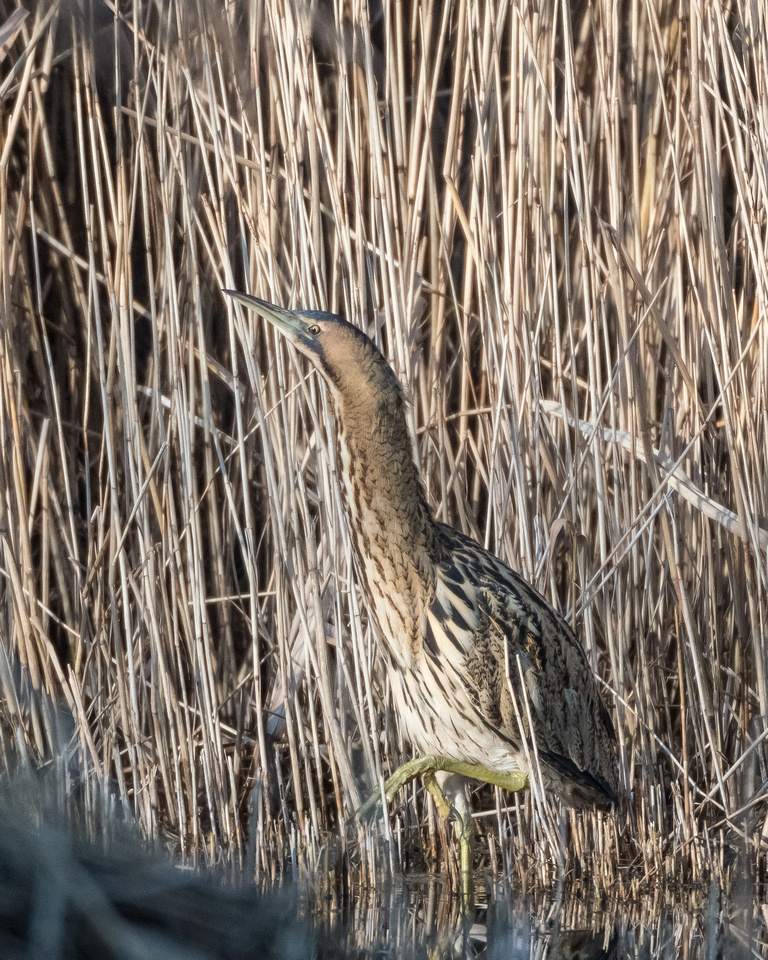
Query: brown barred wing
point(520, 641)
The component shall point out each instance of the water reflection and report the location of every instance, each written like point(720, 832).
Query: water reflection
point(77, 883)
point(418, 918)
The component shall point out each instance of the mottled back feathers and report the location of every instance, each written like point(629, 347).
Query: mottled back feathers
point(479, 662)
point(522, 659)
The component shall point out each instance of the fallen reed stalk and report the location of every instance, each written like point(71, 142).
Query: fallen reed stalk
point(553, 218)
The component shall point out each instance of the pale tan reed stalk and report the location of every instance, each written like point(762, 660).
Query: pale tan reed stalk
point(552, 217)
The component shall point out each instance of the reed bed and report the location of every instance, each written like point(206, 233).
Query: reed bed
point(552, 216)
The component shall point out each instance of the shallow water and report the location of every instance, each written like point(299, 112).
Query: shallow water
point(417, 917)
point(82, 887)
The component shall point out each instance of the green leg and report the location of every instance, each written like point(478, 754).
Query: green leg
point(454, 785)
point(441, 786)
point(428, 768)
point(441, 801)
point(422, 766)
point(466, 830)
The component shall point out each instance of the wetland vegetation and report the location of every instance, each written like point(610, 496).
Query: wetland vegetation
point(553, 217)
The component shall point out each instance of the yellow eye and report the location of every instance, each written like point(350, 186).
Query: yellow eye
point(313, 329)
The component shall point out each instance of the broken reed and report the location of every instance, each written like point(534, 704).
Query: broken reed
point(553, 218)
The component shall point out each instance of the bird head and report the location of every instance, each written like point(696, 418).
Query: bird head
point(349, 361)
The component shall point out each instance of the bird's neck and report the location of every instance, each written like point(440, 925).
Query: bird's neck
point(394, 535)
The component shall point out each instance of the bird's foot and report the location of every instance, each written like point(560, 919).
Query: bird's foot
point(427, 768)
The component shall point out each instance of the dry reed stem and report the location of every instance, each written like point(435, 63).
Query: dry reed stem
point(553, 218)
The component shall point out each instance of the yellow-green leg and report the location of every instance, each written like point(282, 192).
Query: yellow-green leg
point(422, 766)
point(441, 776)
point(465, 827)
point(442, 786)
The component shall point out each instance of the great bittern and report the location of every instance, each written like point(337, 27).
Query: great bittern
point(480, 665)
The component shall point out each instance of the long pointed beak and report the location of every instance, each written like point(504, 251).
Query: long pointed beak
point(289, 321)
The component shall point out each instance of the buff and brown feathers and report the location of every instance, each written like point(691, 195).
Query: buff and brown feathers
point(524, 661)
point(479, 663)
